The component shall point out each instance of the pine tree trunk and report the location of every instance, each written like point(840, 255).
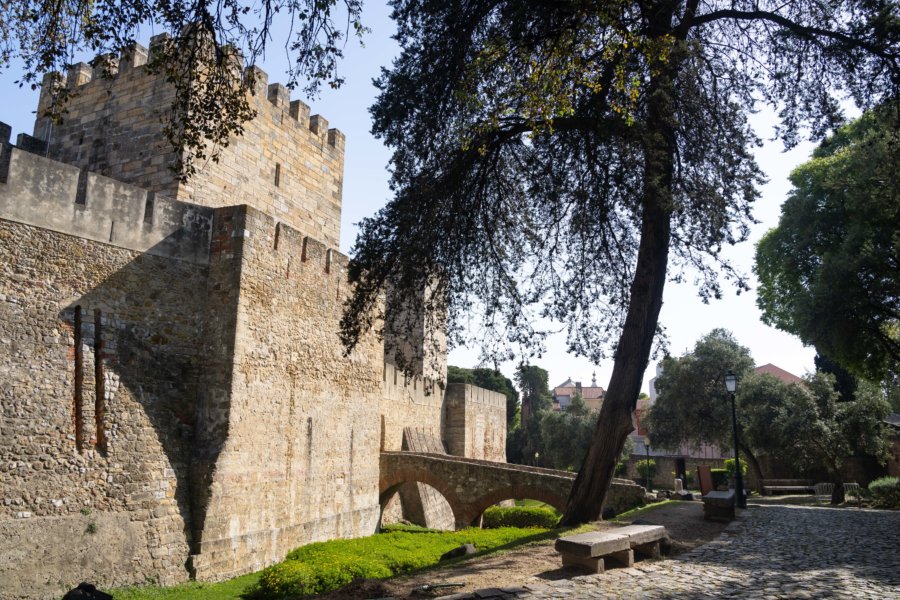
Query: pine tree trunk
point(837, 495)
point(754, 464)
point(633, 350)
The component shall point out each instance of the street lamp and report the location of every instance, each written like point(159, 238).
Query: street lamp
point(731, 386)
point(647, 464)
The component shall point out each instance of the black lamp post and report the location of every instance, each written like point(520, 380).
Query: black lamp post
point(731, 386)
point(647, 464)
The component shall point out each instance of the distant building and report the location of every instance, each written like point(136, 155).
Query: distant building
point(592, 395)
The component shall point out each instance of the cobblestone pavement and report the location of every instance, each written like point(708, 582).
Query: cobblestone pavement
point(770, 552)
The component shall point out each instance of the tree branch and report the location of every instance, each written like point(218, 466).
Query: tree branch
point(802, 30)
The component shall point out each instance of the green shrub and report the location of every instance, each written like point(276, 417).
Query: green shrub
point(646, 468)
point(729, 466)
point(885, 492)
point(519, 516)
point(719, 477)
point(621, 469)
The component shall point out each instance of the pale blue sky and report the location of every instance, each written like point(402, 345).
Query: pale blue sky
point(366, 189)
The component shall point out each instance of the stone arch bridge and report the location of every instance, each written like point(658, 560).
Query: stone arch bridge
point(470, 486)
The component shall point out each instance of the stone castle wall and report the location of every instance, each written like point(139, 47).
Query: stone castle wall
point(299, 460)
point(99, 352)
point(228, 427)
point(475, 422)
point(174, 398)
point(286, 163)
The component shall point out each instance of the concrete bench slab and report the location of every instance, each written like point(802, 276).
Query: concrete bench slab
point(591, 550)
point(593, 543)
point(644, 539)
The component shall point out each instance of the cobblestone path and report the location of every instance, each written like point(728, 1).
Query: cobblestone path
point(769, 552)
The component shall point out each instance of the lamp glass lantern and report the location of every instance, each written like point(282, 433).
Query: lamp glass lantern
point(730, 382)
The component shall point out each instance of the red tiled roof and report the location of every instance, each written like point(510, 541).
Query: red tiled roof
point(778, 373)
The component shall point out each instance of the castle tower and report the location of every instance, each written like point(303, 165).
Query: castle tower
point(286, 163)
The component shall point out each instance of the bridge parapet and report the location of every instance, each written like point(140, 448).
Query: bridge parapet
point(470, 485)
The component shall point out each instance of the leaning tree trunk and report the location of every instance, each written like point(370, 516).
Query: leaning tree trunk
point(754, 464)
point(837, 494)
point(633, 350)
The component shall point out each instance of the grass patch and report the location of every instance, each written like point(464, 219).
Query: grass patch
point(325, 566)
point(640, 511)
point(194, 590)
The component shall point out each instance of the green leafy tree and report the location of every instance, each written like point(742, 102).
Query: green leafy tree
point(818, 430)
point(208, 39)
point(692, 406)
point(525, 444)
point(490, 379)
point(534, 383)
point(805, 425)
point(556, 159)
point(830, 272)
point(566, 435)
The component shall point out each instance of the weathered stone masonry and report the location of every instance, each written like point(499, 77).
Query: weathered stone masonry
point(174, 399)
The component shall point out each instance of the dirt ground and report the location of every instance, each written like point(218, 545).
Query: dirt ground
point(539, 561)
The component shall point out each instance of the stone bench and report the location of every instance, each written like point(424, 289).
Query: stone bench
point(719, 506)
point(591, 550)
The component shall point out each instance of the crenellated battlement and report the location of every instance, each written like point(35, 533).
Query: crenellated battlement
point(105, 71)
point(287, 162)
point(45, 193)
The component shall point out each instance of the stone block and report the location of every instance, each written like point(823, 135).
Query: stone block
point(591, 565)
point(592, 544)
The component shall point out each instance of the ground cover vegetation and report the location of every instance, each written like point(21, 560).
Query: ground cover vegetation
point(552, 161)
point(325, 566)
point(558, 162)
point(321, 567)
point(808, 426)
point(232, 589)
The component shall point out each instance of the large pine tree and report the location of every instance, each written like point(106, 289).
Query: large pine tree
point(562, 159)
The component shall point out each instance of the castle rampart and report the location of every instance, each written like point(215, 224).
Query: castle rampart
point(286, 163)
point(173, 386)
point(475, 424)
point(59, 197)
point(174, 398)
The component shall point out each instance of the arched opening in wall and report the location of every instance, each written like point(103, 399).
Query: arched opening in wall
point(420, 504)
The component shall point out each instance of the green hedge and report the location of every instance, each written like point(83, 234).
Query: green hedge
point(644, 466)
point(325, 566)
point(719, 477)
point(729, 466)
point(885, 492)
point(519, 516)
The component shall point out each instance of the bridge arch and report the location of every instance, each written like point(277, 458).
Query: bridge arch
point(390, 483)
point(516, 492)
